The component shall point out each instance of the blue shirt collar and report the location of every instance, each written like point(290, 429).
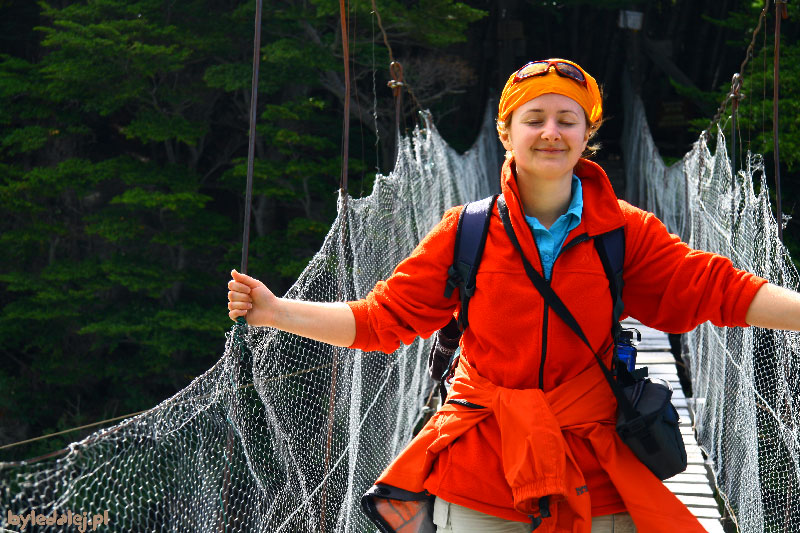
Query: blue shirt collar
point(574, 211)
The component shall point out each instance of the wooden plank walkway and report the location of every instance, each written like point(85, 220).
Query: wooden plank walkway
point(694, 486)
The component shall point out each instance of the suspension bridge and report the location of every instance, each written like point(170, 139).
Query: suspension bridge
point(285, 434)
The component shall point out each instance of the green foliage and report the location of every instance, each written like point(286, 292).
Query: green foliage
point(123, 142)
point(107, 53)
point(755, 113)
point(755, 109)
point(151, 126)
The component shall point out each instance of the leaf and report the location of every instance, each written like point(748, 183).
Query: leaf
point(179, 201)
point(229, 77)
point(150, 126)
point(25, 139)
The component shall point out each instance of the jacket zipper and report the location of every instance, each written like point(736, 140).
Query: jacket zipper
point(465, 403)
point(577, 240)
point(544, 346)
point(583, 237)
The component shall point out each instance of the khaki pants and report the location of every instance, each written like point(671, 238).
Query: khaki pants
point(452, 518)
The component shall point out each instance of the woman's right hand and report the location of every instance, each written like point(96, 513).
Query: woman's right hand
point(251, 299)
point(333, 323)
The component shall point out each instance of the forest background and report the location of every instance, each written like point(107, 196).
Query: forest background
point(123, 143)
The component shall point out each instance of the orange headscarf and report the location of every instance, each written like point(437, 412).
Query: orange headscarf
point(516, 94)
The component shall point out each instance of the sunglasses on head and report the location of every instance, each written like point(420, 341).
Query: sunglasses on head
point(541, 68)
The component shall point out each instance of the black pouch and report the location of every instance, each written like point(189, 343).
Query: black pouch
point(396, 510)
point(654, 435)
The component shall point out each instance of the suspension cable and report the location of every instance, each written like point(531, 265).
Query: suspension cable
point(394, 84)
point(736, 85)
point(735, 96)
point(346, 125)
point(780, 12)
point(245, 354)
point(343, 197)
point(747, 56)
point(251, 145)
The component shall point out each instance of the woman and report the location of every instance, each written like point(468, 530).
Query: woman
point(542, 452)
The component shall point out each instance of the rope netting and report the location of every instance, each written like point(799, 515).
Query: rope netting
point(746, 381)
point(283, 433)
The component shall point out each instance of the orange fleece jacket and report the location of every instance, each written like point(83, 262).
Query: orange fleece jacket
point(514, 341)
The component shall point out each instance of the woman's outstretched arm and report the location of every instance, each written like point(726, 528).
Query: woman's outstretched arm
point(332, 323)
point(774, 307)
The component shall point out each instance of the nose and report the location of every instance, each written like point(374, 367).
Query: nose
point(550, 130)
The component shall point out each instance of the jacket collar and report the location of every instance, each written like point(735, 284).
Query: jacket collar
point(601, 212)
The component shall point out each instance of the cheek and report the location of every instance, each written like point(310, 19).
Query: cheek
point(579, 138)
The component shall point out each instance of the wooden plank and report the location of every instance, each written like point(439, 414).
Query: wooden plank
point(655, 358)
point(685, 477)
point(705, 512)
point(689, 488)
point(695, 468)
point(712, 525)
point(692, 500)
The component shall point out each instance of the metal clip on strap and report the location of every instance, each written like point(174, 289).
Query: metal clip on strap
point(453, 281)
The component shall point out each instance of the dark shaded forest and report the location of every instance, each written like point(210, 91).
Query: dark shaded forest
point(123, 145)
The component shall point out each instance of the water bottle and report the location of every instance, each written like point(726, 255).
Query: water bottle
point(626, 347)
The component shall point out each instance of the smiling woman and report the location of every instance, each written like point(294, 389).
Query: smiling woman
point(512, 449)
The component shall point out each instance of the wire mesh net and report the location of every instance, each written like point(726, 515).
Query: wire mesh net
point(745, 381)
point(283, 433)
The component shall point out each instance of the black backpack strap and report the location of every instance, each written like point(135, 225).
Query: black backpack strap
point(473, 226)
point(560, 308)
point(611, 249)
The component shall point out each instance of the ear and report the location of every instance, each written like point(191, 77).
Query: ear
point(505, 139)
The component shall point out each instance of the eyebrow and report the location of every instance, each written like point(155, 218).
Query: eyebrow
point(557, 112)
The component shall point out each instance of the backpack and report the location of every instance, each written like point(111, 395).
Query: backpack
point(471, 232)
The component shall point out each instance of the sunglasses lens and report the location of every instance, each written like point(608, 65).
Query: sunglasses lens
point(538, 68)
point(532, 69)
point(571, 71)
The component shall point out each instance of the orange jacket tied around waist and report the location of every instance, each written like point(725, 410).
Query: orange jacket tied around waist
point(537, 462)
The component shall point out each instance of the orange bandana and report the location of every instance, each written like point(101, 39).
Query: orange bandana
point(516, 94)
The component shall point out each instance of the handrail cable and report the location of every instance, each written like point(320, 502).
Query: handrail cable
point(42, 437)
point(130, 415)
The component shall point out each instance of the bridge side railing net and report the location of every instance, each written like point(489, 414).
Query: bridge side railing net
point(288, 440)
point(746, 380)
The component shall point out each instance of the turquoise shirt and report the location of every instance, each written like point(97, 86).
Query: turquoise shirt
point(550, 241)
